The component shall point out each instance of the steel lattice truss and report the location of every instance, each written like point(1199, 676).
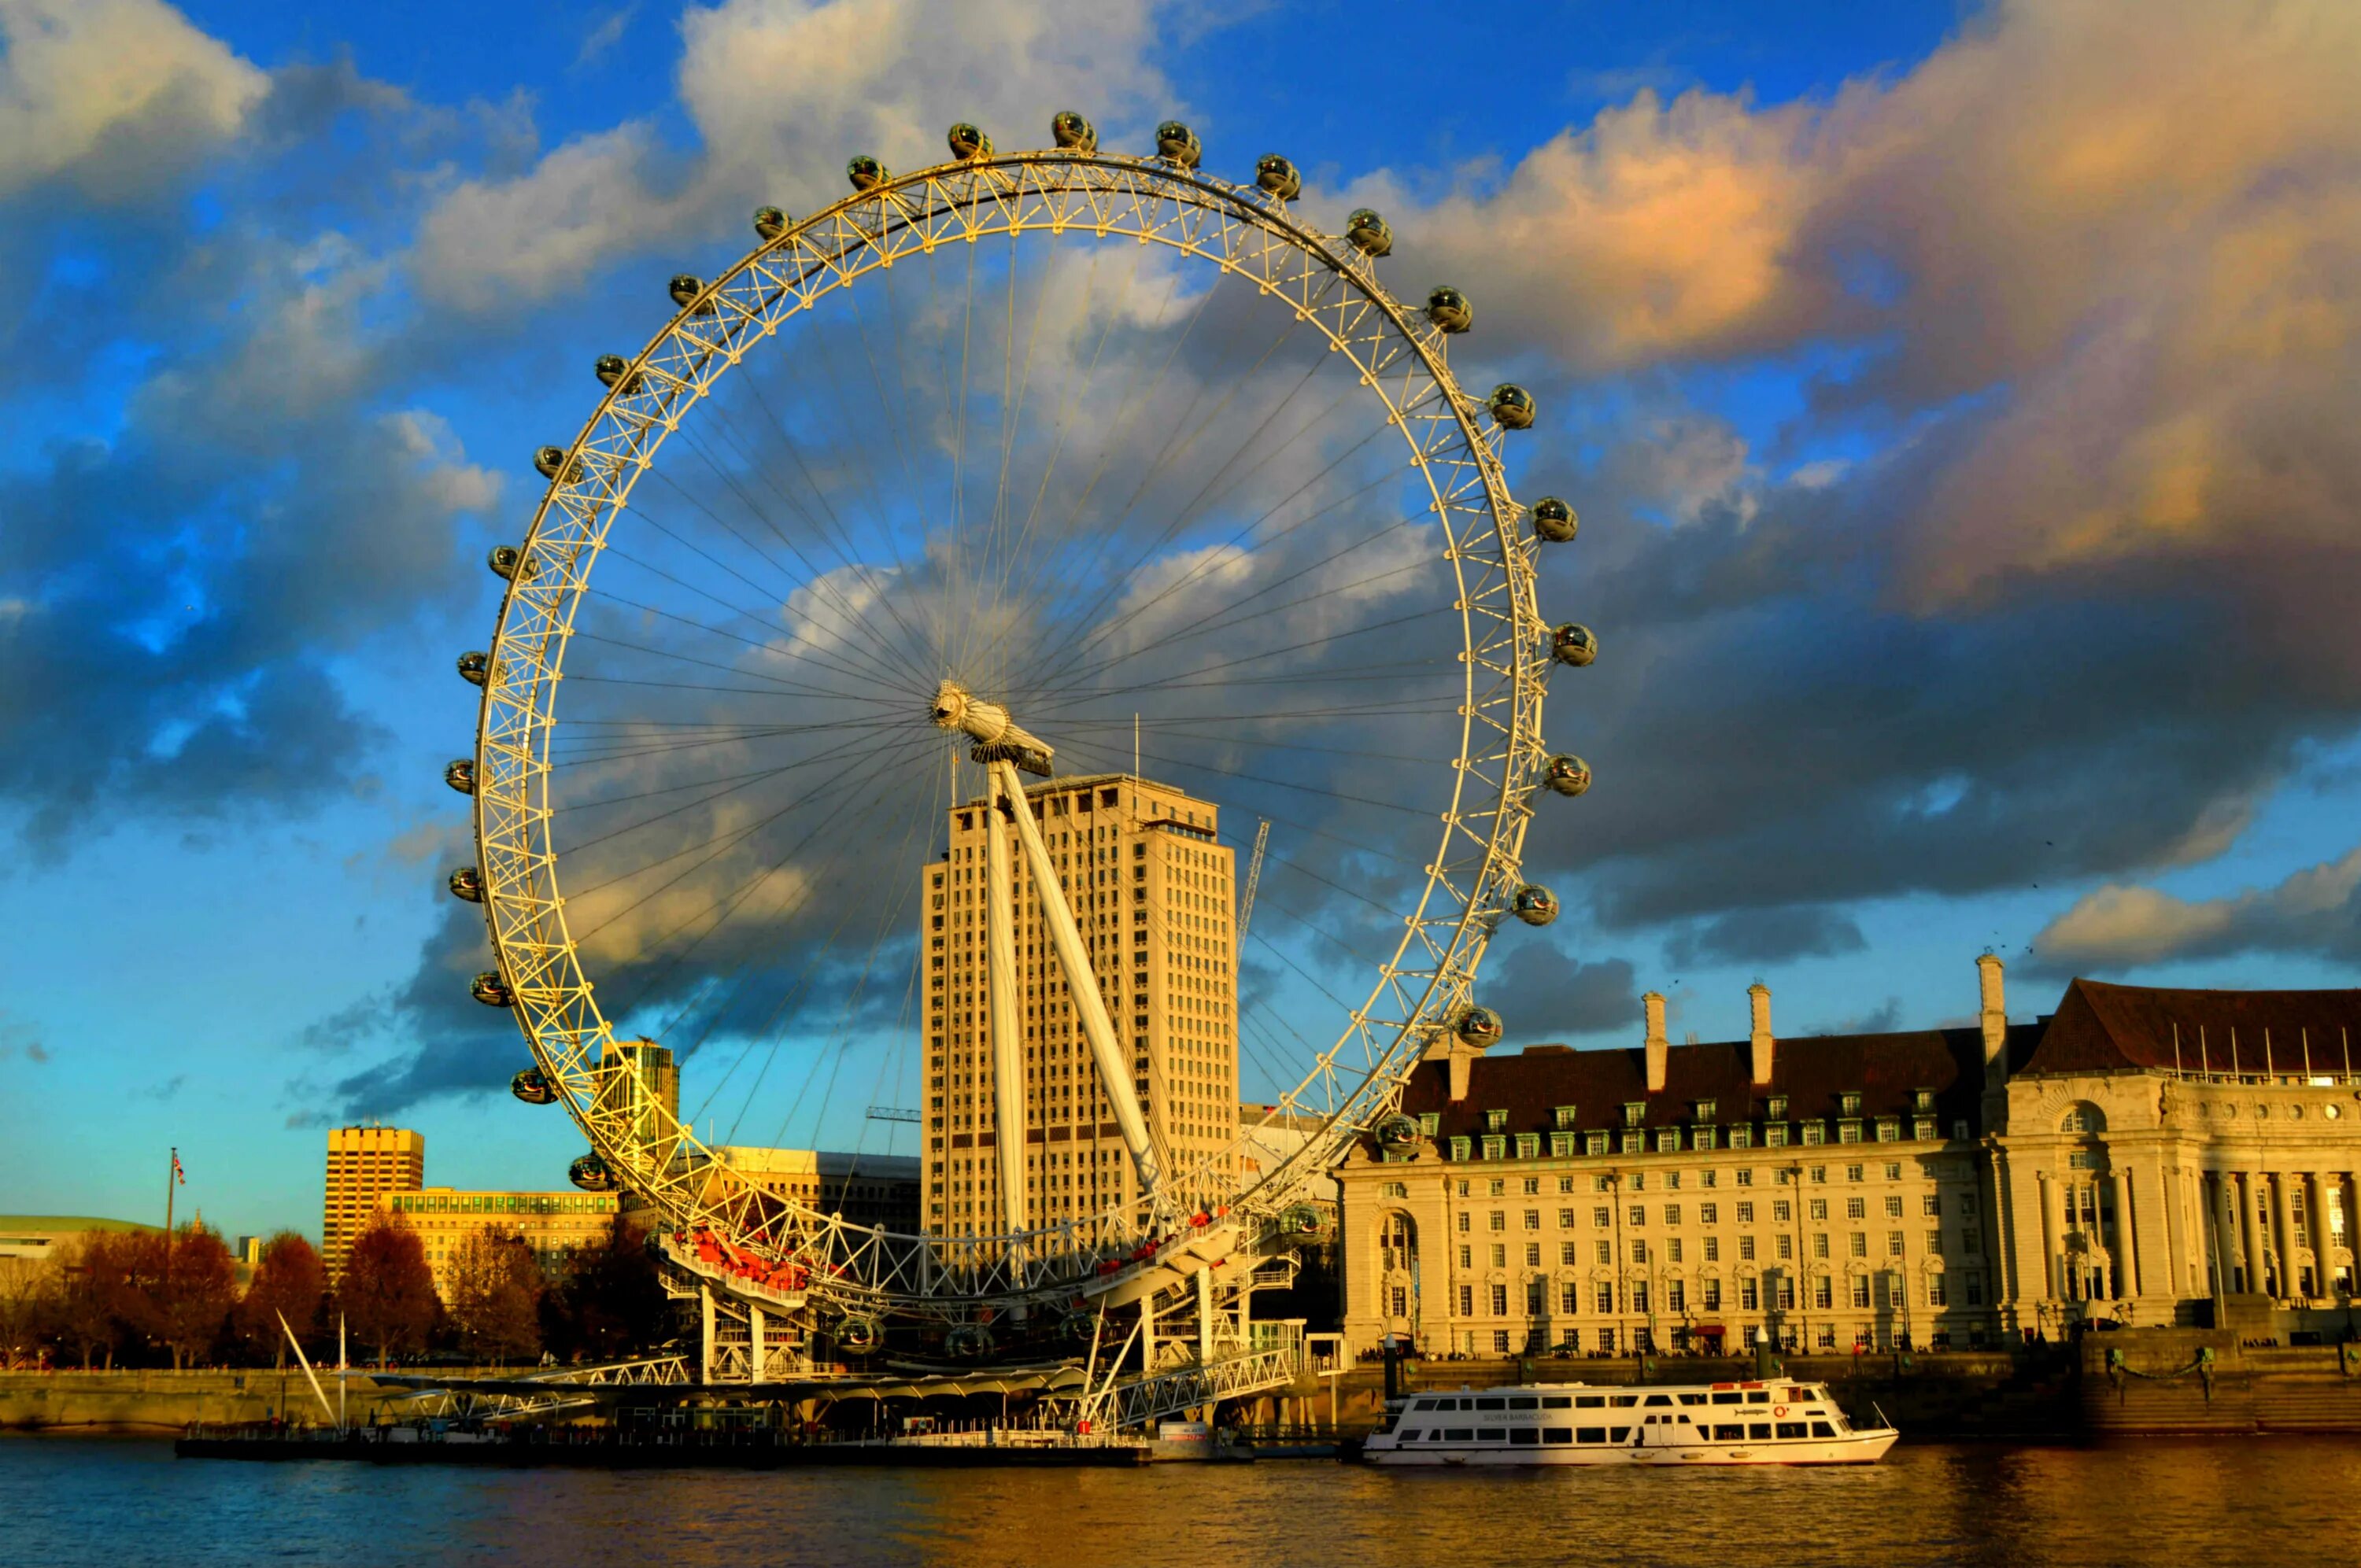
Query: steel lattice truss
point(1470, 883)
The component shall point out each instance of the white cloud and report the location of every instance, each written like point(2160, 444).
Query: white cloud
point(2120, 926)
point(112, 94)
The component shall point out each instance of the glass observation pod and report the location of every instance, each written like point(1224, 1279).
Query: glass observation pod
point(1667, 1426)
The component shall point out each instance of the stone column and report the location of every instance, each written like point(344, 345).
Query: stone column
point(2127, 1247)
point(2223, 1216)
point(2243, 1187)
point(2283, 1234)
point(2324, 1247)
point(2175, 1246)
point(2050, 1245)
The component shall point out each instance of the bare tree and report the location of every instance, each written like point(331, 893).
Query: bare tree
point(387, 1290)
point(497, 1285)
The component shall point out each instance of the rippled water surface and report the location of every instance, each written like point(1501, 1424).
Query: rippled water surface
point(2282, 1501)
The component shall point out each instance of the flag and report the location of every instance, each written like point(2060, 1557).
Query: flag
point(178, 1174)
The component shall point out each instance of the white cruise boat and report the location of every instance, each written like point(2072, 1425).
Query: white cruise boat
point(1669, 1426)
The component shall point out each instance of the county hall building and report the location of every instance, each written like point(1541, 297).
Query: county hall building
point(1943, 1187)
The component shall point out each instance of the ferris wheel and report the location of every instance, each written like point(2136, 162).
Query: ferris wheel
point(1028, 486)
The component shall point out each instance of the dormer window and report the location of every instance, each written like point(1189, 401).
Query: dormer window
point(1563, 1118)
point(1704, 1110)
point(1851, 1100)
point(1775, 1107)
point(1495, 1121)
point(1634, 1111)
point(1923, 1102)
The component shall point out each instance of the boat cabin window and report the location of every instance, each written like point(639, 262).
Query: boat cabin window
point(1525, 1434)
point(1527, 1403)
point(1427, 1405)
point(1732, 1399)
point(1590, 1435)
point(1759, 1430)
point(1485, 1405)
point(1589, 1401)
point(1623, 1401)
point(1556, 1401)
point(1557, 1434)
point(1655, 1399)
point(1491, 1434)
point(1791, 1429)
point(1408, 1436)
point(1617, 1434)
point(1797, 1396)
point(1822, 1428)
point(1458, 1434)
point(1759, 1397)
point(1729, 1431)
point(1692, 1398)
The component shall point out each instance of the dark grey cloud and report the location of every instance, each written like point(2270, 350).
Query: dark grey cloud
point(1764, 935)
point(1545, 993)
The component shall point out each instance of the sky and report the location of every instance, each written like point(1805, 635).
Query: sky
point(1957, 400)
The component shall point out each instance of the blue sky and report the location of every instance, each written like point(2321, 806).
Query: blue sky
point(1956, 399)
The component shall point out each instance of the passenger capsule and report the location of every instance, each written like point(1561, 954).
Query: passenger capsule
point(1368, 233)
point(475, 668)
point(970, 1342)
point(967, 141)
point(1573, 644)
point(866, 173)
point(770, 223)
point(590, 1174)
point(467, 883)
point(1303, 1220)
point(858, 1335)
point(684, 289)
point(1479, 1026)
point(614, 370)
point(532, 1088)
point(1397, 1132)
point(1278, 176)
point(1448, 309)
point(1567, 776)
point(1511, 405)
point(1176, 143)
point(1078, 1324)
point(490, 990)
point(1070, 130)
point(508, 561)
point(1552, 521)
point(552, 462)
point(461, 775)
point(1536, 906)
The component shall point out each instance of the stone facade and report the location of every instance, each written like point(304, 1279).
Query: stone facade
point(1938, 1188)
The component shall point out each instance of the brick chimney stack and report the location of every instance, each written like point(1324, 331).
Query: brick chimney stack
point(1993, 1013)
point(1759, 996)
point(1658, 1046)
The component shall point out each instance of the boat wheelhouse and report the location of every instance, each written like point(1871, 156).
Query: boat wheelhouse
point(1664, 1425)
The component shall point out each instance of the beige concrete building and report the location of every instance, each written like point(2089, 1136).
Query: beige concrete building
point(866, 1188)
point(2162, 1151)
point(2147, 1156)
point(1819, 1192)
point(552, 1224)
point(364, 1164)
point(1154, 895)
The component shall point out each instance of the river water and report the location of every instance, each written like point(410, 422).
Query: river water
point(126, 1502)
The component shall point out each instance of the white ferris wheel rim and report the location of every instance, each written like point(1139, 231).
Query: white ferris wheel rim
point(1469, 886)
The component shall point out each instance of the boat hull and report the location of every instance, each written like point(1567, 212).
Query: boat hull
point(1852, 1448)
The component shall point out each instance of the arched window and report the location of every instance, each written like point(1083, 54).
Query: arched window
point(1397, 1243)
point(2083, 1117)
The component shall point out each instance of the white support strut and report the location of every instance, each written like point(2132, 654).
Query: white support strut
point(1000, 1002)
point(1113, 1065)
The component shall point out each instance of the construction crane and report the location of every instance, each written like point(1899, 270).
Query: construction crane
point(1254, 877)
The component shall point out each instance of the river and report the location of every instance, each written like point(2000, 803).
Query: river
point(128, 1503)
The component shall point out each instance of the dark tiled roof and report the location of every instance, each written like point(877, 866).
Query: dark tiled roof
point(2109, 1028)
point(1812, 1071)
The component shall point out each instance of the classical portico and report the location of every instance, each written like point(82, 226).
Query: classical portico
point(2163, 1148)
